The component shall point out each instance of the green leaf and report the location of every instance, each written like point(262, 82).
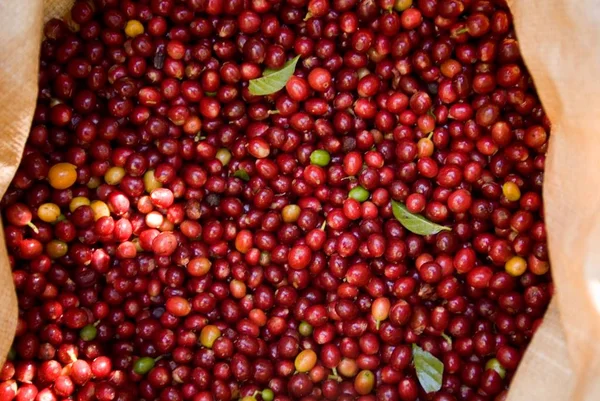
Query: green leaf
point(429, 369)
point(268, 71)
point(242, 174)
point(272, 81)
point(415, 223)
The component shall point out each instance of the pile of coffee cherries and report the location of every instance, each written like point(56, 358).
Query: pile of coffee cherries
point(176, 236)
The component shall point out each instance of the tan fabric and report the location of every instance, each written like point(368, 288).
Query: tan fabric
point(19, 48)
point(559, 42)
point(20, 36)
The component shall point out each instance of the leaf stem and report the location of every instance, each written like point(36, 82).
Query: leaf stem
point(33, 227)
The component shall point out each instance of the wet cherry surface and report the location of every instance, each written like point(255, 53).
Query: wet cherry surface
point(174, 236)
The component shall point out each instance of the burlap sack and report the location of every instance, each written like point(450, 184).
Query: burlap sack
point(560, 44)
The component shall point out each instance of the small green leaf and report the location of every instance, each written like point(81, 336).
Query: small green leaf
point(415, 223)
point(429, 369)
point(242, 174)
point(272, 81)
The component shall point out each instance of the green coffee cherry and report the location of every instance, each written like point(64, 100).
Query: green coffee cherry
point(358, 193)
point(267, 394)
point(88, 333)
point(320, 157)
point(143, 365)
point(305, 329)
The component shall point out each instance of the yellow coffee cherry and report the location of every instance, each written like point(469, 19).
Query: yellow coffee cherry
point(401, 5)
point(150, 181)
point(114, 175)
point(305, 360)
point(290, 213)
point(62, 175)
point(209, 335)
point(516, 266)
point(100, 209)
point(48, 212)
point(78, 201)
point(134, 28)
point(511, 191)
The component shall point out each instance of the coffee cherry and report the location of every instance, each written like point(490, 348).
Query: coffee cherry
point(516, 266)
point(175, 235)
point(62, 175)
point(320, 157)
point(143, 365)
point(359, 194)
